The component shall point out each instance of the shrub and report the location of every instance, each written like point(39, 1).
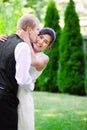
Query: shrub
point(48, 80)
point(71, 61)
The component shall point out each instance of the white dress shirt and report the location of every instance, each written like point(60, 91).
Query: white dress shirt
point(23, 62)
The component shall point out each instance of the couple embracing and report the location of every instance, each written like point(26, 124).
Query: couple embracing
point(21, 62)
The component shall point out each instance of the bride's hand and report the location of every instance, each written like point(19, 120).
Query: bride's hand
point(3, 38)
point(23, 35)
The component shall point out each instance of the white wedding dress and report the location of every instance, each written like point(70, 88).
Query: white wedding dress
point(26, 105)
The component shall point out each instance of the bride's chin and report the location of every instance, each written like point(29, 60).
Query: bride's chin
point(37, 50)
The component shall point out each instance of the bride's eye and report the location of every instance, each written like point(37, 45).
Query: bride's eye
point(41, 37)
point(46, 42)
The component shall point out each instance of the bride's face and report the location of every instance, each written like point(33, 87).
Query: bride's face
point(42, 42)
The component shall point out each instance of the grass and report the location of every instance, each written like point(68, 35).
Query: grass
point(60, 111)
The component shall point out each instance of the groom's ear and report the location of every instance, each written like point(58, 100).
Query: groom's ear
point(28, 29)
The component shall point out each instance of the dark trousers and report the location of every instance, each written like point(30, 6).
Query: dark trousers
point(8, 112)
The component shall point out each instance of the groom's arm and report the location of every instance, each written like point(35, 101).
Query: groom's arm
point(23, 63)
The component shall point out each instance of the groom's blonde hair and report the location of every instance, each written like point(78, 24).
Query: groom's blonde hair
point(27, 20)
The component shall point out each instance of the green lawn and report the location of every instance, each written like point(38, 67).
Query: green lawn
point(60, 111)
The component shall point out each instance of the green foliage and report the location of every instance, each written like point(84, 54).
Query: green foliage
point(38, 6)
point(85, 45)
point(71, 61)
point(48, 80)
point(1, 25)
point(9, 17)
point(86, 75)
point(11, 10)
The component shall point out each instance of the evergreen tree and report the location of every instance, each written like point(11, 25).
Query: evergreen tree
point(71, 61)
point(48, 80)
point(85, 52)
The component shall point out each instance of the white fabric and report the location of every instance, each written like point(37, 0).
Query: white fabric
point(33, 72)
point(25, 110)
point(23, 62)
point(26, 105)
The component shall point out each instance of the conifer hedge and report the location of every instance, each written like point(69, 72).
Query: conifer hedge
point(48, 80)
point(71, 61)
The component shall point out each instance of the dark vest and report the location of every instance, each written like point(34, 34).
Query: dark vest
point(7, 63)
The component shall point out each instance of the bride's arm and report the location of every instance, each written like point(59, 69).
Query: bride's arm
point(40, 61)
point(3, 38)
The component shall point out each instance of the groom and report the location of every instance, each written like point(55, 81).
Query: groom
point(15, 61)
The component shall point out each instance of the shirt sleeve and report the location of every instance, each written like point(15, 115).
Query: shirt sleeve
point(23, 63)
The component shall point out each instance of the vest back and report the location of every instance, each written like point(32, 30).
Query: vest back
point(7, 63)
